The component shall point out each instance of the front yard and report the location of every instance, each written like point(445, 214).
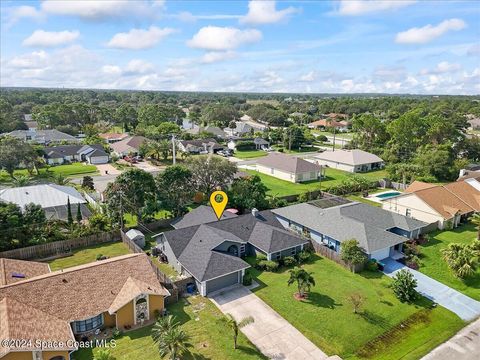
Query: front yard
point(89, 254)
point(327, 317)
point(210, 337)
point(333, 177)
point(433, 265)
point(249, 154)
point(70, 170)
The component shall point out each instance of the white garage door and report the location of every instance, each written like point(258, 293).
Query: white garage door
point(99, 160)
point(380, 254)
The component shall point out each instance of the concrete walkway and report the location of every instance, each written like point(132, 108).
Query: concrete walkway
point(465, 307)
point(463, 346)
point(272, 335)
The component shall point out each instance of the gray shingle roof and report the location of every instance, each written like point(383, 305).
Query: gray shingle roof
point(43, 135)
point(201, 215)
point(194, 246)
point(349, 157)
point(291, 164)
point(71, 150)
point(362, 222)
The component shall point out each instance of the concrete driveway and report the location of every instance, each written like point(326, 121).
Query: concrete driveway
point(146, 166)
point(272, 335)
point(463, 346)
point(104, 168)
point(462, 305)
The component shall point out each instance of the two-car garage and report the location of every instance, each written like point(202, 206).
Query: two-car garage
point(212, 285)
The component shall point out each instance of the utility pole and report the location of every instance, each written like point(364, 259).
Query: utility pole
point(173, 152)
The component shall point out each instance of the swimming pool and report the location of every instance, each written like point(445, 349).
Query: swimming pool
point(387, 195)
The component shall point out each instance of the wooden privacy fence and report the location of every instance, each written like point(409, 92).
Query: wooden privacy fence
point(162, 278)
point(60, 247)
point(334, 256)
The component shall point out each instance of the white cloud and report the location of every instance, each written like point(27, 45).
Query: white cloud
point(265, 12)
point(223, 38)
point(361, 7)
point(15, 14)
point(310, 76)
point(442, 68)
point(111, 69)
point(138, 66)
point(41, 38)
point(137, 39)
point(216, 56)
point(29, 61)
point(429, 32)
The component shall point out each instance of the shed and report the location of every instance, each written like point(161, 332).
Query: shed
point(137, 237)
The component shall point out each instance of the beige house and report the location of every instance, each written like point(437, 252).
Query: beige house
point(63, 306)
point(288, 168)
point(445, 205)
point(350, 160)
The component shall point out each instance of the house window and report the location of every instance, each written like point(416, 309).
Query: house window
point(242, 248)
point(408, 212)
point(89, 324)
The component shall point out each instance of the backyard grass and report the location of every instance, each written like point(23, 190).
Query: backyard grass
point(210, 337)
point(65, 170)
point(249, 154)
point(131, 220)
point(327, 317)
point(333, 177)
point(433, 265)
point(89, 254)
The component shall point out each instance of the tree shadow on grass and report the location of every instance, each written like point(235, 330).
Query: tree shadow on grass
point(321, 300)
point(375, 319)
point(250, 351)
point(386, 302)
point(371, 274)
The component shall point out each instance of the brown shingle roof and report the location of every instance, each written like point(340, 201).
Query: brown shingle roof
point(418, 185)
point(131, 143)
point(21, 321)
point(291, 164)
point(110, 136)
point(11, 267)
point(329, 123)
point(84, 291)
point(466, 193)
point(443, 201)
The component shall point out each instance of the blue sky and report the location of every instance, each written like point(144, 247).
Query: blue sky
point(426, 47)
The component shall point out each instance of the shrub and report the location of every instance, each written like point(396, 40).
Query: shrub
point(413, 262)
point(247, 279)
point(99, 257)
point(268, 265)
point(280, 149)
point(289, 261)
point(404, 284)
point(261, 257)
point(245, 145)
point(322, 138)
point(116, 333)
point(411, 249)
point(303, 256)
point(371, 265)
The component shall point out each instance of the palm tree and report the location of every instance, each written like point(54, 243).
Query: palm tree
point(461, 258)
point(303, 279)
point(103, 354)
point(236, 326)
point(475, 219)
point(59, 179)
point(22, 180)
point(171, 340)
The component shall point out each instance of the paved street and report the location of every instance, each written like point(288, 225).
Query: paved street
point(462, 305)
point(463, 346)
point(271, 334)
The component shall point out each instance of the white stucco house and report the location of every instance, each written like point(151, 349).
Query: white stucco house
point(289, 168)
point(350, 160)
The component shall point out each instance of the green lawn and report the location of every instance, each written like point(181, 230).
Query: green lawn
point(131, 220)
point(333, 177)
point(347, 136)
point(210, 337)
point(360, 198)
point(327, 318)
point(250, 154)
point(65, 170)
point(89, 254)
point(433, 265)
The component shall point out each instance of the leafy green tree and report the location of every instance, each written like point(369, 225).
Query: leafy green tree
point(79, 214)
point(235, 326)
point(248, 193)
point(436, 161)
point(175, 189)
point(303, 279)
point(22, 180)
point(155, 114)
point(13, 153)
point(370, 133)
point(210, 173)
point(171, 340)
point(87, 183)
point(131, 191)
point(352, 254)
point(33, 214)
point(356, 299)
point(404, 285)
point(157, 149)
point(219, 114)
point(99, 222)
point(126, 115)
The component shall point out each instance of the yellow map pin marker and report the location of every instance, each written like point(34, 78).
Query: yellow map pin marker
point(218, 206)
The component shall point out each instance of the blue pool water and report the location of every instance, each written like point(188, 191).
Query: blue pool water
point(388, 195)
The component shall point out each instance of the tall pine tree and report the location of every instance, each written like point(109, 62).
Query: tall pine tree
point(79, 213)
point(69, 212)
